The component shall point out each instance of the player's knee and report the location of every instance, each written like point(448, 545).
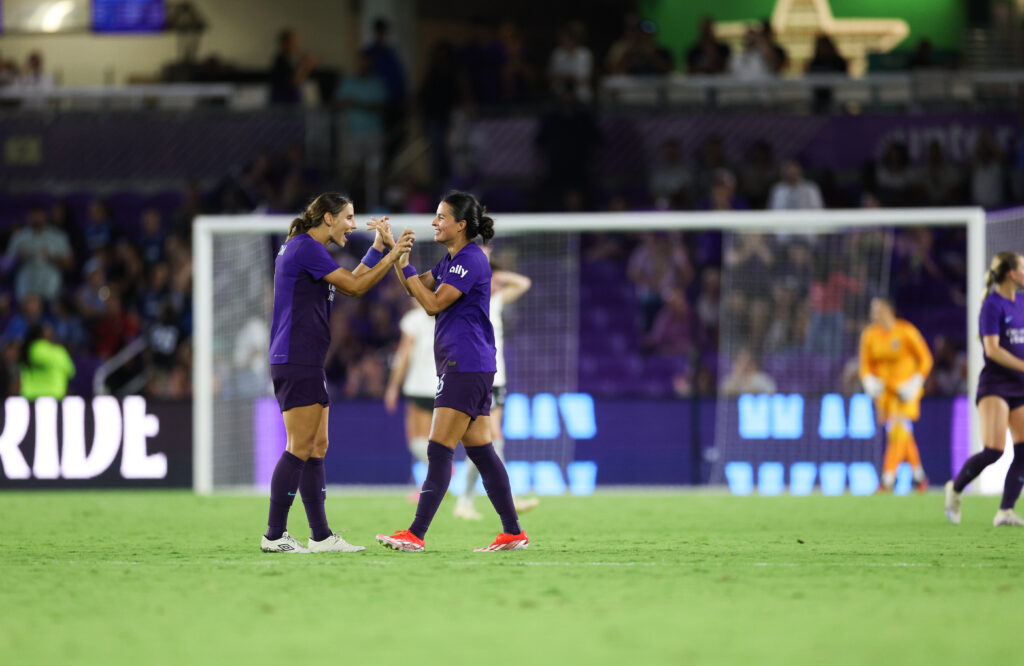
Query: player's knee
point(320, 448)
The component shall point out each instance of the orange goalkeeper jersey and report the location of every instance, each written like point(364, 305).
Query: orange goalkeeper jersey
point(894, 355)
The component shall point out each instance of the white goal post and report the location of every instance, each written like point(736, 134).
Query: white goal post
point(207, 227)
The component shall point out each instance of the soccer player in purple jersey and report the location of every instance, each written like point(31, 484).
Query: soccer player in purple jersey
point(306, 279)
point(1000, 388)
point(458, 292)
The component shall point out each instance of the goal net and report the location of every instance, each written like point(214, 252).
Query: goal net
point(813, 415)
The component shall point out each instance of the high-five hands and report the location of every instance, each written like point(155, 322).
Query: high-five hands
point(383, 229)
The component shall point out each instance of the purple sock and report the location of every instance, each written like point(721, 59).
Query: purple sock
point(1014, 478)
point(283, 484)
point(973, 467)
point(492, 471)
point(313, 490)
point(439, 475)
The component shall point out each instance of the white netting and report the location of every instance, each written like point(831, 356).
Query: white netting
point(793, 308)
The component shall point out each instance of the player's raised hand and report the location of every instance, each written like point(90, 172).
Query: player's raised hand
point(382, 227)
point(404, 246)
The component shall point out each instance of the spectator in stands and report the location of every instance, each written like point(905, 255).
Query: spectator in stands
point(988, 176)
point(482, 56)
point(638, 52)
point(757, 174)
point(923, 56)
point(443, 89)
point(778, 58)
point(572, 63)
point(388, 68)
point(289, 70)
point(708, 308)
point(517, 74)
point(568, 140)
point(708, 55)
point(151, 242)
point(894, 177)
point(657, 266)
point(362, 98)
point(783, 332)
point(829, 287)
point(31, 312)
point(710, 160)
point(746, 376)
point(722, 195)
point(826, 60)
point(949, 374)
point(670, 333)
point(32, 77)
point(8, 72)
point(99, 228)
point(671, 179)
point(794, 192)
point(45, 365)
point(41, 253)
point(67, 326)
point(755, 61)
point(940, 181)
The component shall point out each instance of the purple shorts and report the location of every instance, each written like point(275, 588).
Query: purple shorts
point(468, 392)
point(298, 385)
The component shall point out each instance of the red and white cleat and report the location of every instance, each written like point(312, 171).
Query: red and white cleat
point(507, 542)
point(403, 540)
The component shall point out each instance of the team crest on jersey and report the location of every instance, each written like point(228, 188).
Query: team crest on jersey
point(458, 270)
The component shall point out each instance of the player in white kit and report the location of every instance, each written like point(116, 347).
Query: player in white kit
point(414, 376)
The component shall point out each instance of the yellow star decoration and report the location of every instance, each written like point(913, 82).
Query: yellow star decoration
point(797, 22)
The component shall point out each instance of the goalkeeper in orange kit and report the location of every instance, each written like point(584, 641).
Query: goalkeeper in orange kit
point(894, 362)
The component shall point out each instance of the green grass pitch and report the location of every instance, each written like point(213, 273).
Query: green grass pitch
point(657, 578)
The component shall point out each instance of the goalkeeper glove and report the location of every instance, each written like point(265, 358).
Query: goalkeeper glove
point(911, 388)
point(873, 386)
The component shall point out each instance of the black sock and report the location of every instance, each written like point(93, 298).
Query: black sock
point(973, 467)
point(496, 484)
point(1014, 478)
point(439, 475)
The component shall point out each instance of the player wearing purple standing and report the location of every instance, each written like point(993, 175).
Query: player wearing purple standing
point(306, 279)
point(1000, 397)
point(458, 292)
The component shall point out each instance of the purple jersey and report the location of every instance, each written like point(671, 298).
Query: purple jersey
point(1004, 318)
point(299, 333)
point(463, 335)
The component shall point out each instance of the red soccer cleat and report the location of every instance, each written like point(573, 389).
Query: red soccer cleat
point(403, 540)
point(507, 542)
point(922, 485)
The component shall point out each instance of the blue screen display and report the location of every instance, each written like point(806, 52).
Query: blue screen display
point(128, 15)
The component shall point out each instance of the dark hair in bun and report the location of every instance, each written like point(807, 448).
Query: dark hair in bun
point(465, 207)
point(313, 216)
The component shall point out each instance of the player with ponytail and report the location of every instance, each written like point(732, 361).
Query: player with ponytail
point(1000, 396)
point(458, 292)
point(306, 279)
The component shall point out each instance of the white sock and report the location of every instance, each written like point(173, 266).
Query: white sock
point(472, 474)
point(418, 448)
point(888, 480)
point(499, 448)
point(919, 474)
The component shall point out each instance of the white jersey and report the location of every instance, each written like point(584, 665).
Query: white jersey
point(421, 375)
point(497, 305)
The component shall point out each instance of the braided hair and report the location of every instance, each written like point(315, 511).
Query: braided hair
point(465, 207)
point(1001, 265)
point(313, 216)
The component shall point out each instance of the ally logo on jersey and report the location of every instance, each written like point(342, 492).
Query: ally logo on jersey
point(458, 270)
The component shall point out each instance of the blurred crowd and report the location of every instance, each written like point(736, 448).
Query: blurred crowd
point(94, 278)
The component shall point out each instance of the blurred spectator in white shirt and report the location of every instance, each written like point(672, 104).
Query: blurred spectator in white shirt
point(671, 179)
point(572, 63)
point(754, 62)
point(988, 177)
point(794, 192)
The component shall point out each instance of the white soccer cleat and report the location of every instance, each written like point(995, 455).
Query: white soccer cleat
point(333, 544)
point(466, 511)
point(286, 544)
point(952, 504)
point(525, 504)
point(1006, 517)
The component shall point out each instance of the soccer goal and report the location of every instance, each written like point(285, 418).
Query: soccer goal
point(236, 418)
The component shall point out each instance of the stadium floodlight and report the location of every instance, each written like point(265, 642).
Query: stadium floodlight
point(233, 271)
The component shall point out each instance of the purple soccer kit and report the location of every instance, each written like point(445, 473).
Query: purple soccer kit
point(1005, 318)
point(299, 338)
point(464, 355)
